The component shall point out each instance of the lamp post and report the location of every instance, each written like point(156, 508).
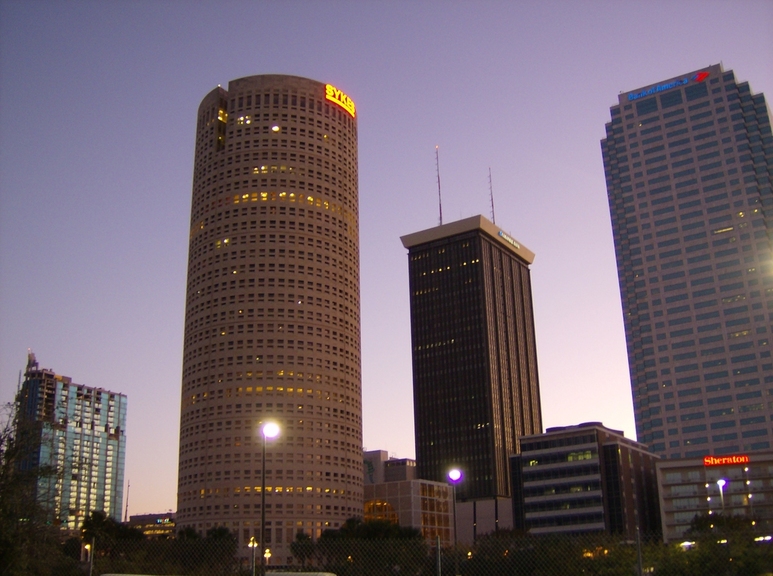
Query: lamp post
point(749, 490)
point(454, 477)
point(90, 549)
point(253, 544)
point(721, 483)
point(269, 430)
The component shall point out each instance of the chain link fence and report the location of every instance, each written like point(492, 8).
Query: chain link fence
point(718, 554)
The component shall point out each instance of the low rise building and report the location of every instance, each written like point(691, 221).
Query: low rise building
point(392, 492)
point(157, 526)
point(735, 484)
point(584, 478)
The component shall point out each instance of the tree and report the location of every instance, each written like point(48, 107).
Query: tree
point(375, 548)
point(104, 529)
point(302, 548)
point(188, 533)
point(220, 533)
point(29, 542)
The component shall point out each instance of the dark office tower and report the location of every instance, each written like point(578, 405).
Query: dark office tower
point(688, 164)
point(272, 325)
point(475, 387)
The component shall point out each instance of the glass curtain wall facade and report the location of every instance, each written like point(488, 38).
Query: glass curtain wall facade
point(80, 433)
point(688, 164)
point(475, 384)
point(272, 325)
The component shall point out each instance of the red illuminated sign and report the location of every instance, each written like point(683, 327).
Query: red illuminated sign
point(334, 95)
point(725, 460)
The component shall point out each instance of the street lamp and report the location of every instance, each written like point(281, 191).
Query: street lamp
point(90, 550)
point(455, 476)
point(748, 490)
point(721, 483)
point(253, 544)
point(268, 431)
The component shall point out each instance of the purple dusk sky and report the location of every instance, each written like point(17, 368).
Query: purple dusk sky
point(98, 106)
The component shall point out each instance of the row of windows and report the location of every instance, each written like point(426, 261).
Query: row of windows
point(569, 504)
point(285, 100)
point(717, 450)
point(559, 457)
point(677, 96)
point(282, 159)
point(291, 197)
point(239, 314)
point(575, 487)
point(639, 276)
point(574, 440)
point(713, 351)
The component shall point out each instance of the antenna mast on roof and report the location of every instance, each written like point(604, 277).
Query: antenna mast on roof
point(491, 196)
point(126, 509)
point(439, 198)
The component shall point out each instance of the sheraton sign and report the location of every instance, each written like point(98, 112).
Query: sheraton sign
point(725, 460)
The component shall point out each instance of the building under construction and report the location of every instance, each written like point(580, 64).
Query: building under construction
point(77, 434)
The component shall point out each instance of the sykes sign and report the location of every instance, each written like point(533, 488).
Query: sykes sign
point(335, 96)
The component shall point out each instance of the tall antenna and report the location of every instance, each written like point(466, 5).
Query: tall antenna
point(439, 198)
point(491, 195)
point(126, 509)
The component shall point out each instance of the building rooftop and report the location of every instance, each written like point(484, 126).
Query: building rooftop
point(468, 225)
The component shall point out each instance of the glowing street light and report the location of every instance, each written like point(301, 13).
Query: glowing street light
point(721, 483)
point(268, 431)
point(253, 544)
point(90, 548)
point(455, 476)
point(748, 489)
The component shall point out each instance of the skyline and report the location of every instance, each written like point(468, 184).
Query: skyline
point(96, 161)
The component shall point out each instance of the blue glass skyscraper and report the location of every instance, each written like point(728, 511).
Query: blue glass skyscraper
point(79, 433)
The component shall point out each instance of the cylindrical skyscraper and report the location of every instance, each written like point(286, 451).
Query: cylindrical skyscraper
point(272, 319)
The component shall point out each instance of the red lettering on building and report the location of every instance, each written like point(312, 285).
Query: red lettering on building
point(725, 460)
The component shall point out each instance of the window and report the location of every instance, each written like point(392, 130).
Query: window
point(696, 91)
point(646, 106)
point(669, 99)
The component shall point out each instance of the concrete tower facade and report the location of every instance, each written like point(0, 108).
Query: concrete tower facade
point(475, 384)
point(688, 165)
point(272, 325)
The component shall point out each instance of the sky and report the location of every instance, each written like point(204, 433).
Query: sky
point(98, 106)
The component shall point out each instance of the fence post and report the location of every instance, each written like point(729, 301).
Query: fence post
point(91, 555)
point(438, 555)
point(638, 553)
